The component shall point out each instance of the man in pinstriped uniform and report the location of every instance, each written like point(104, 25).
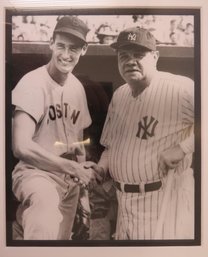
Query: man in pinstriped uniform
point(149, 130)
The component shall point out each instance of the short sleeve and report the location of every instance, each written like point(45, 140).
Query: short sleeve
point(29, 96)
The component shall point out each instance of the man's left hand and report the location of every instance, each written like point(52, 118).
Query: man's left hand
point(170, 158)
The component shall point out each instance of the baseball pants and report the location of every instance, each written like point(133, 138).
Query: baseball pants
point(47, 209)
point(138, 213)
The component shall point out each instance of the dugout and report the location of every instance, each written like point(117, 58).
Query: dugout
point(100, 63)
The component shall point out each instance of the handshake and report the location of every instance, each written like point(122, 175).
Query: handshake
point(85, 173)
point(91, 175)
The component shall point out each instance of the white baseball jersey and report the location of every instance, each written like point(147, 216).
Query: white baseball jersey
point(136, 131)
point(60, 112)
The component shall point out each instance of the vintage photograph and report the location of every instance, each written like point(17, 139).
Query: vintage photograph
point(103, 124)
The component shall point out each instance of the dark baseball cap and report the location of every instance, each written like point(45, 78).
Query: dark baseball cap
point(73, 26)
point(135, 36)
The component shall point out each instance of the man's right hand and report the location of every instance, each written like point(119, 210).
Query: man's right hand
point(100, 174)
point(84, 175)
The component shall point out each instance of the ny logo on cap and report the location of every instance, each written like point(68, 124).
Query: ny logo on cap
point(131, 36)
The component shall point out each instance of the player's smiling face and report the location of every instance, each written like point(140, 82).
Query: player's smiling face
point(136, 64)
point(66, 51)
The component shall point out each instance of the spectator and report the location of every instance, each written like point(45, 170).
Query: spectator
point(188, 35)
point(173, 38)
point(106, 34)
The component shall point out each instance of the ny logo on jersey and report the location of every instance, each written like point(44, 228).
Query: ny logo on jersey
point(147, 127)
point(132, 37)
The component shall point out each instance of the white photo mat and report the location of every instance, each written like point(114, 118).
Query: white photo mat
point(111, 251)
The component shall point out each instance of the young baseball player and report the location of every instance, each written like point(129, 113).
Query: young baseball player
point(147, 132)
point(50, 115)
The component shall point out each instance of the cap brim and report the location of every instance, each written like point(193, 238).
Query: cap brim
point(116, 46)
point(71, 32)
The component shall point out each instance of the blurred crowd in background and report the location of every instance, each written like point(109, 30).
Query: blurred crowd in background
point(104, 29)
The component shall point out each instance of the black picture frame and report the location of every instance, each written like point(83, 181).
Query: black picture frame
point(194, 59)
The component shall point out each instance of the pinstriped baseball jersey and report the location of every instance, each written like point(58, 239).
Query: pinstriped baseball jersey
point(136, 131)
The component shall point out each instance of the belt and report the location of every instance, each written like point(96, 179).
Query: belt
point(138, 188)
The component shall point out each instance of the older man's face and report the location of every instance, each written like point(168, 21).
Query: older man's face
point(136, 64)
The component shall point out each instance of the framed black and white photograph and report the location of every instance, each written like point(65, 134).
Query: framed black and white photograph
point(103, 128)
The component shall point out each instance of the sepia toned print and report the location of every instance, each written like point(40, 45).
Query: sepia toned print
point(124, 122)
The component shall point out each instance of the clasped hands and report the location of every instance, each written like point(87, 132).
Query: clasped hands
point(87, 173)
point(91, 175)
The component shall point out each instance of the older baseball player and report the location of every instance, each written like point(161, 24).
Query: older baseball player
point(50, 115)
point(148, 131)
